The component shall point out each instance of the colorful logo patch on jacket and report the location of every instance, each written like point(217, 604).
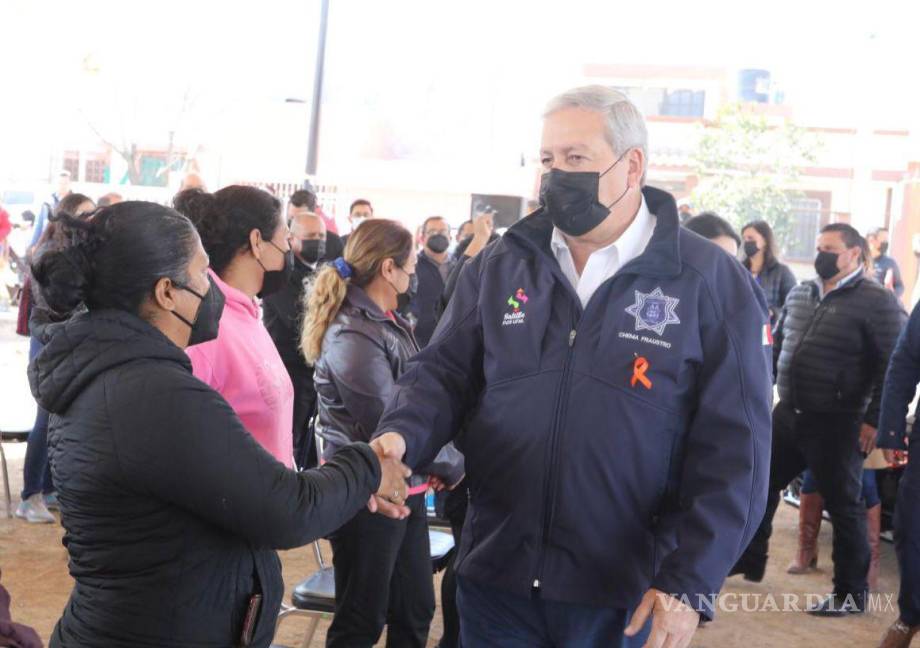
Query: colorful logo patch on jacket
point(517, 314)
point(654, 311)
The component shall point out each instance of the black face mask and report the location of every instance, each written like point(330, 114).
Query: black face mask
point(826, 265)
point(312, 250)
point(275, 280)
point(750, 248)
point(207, 319)
point(883, 248)
point(438, 243)
point(570, 199)
point(403, 299)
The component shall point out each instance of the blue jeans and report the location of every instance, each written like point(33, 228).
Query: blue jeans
point(869, 487)
point(499, 619)
point(36, 471)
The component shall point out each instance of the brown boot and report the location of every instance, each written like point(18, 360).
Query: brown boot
point(811, 506)
point(873, 529)
point(898, 635)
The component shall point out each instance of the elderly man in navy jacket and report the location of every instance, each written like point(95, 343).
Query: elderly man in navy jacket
point(607, 375)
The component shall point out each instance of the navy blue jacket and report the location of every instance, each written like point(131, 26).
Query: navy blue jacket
point(900, 388)
point(425, 304)
point(585, 483)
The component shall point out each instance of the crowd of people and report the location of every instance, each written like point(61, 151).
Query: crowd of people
point(590, 393)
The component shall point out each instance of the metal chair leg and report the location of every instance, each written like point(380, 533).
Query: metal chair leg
point(311, 630)
point(6, 482)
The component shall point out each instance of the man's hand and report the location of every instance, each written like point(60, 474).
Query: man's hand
point(867, 436)
point(439, 484)
point(390, 444)
point(391, 495)
point(895, 457)
point(483, 225)
point(673, 622)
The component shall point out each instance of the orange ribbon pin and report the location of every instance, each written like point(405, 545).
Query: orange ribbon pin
point(640, 366)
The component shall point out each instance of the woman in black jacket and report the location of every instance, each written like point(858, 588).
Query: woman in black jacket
point(360, 345)
point(775, 278)
point(171, 509)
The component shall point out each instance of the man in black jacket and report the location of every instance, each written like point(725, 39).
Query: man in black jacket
point(831, 348)
point(434, 266)
point(282, 313)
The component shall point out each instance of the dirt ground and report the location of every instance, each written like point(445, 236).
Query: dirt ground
point(34, 565)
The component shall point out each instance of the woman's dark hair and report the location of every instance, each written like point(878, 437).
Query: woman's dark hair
point(763, 228)
point(115, 258)
point(68, 206)
point(304, 198)
point(710, 225)
point(225, 218)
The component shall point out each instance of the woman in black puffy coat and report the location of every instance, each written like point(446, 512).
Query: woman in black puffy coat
point(172, 510)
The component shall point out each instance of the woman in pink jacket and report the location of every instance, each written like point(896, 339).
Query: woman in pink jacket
point(250, 256)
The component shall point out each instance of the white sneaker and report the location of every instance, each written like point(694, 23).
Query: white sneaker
point(34, 511)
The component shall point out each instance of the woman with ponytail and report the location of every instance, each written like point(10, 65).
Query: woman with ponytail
point(360, 345)
point(250, 254)
point(37, 488)
point(171, 510)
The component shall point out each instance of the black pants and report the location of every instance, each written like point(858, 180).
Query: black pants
point(828, 444)
point(383, 577)
point(304, 410)
point(455, 506)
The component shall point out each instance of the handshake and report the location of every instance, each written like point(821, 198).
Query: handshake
point(390, 498)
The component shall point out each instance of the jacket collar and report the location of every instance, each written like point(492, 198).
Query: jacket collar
point(847, 283)
point(661, 257)
point(358, 299)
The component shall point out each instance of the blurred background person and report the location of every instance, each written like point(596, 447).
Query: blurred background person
point(303, 201)
point(48, 207)
point(359, 211)
point(433, 270)
point(884, 268)
point(110, 198)
point(282, 314)
point(715, 228)
point(38, 492)
point(761, 258)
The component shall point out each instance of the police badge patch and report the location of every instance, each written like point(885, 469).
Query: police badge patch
point(654, 311)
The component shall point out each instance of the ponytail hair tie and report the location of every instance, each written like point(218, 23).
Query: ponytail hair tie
point(343, 268)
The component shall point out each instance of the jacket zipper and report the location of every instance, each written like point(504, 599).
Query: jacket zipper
point(549, 494)
point(816, 317)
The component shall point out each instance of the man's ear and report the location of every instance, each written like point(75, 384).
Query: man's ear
point(636, 159)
